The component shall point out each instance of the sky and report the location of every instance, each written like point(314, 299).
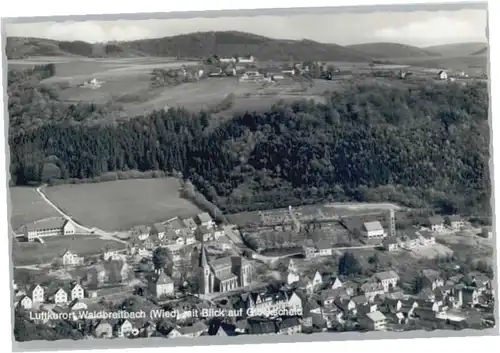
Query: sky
point(417, 28)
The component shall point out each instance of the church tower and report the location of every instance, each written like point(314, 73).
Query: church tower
point(206, 280)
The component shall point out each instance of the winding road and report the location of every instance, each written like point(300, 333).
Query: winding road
point(101, 233)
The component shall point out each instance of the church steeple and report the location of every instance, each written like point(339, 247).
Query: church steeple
point(203, 256)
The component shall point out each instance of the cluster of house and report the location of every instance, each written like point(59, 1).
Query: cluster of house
point(69, 294)
point(377, 301)
point(177, 230)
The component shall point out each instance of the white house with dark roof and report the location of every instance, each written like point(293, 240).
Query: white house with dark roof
point(25, 302)
point(37, 294)
point(436, 223)
point(314, 283)
point(123, 328)
point(69, 258)
point(161, 285)
point(442, 75)
point(61, 297)
point(427, 238)
point(390, 243)
point(373, 230)
point(140, 232)
point(77, 292)
point(388, 279)
point(373, 321)
point(431, 279)
point(455, 222)
point(205, 220)
point(159, 230)
point(324, 248)
point(190, 223)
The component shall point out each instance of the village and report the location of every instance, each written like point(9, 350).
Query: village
point(285, 272)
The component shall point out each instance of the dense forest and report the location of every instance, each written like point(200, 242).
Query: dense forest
point(425, 145)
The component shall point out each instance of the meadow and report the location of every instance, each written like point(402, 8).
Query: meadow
point(126, 83)
point(24, 253)
point(120, 205)
point(27, 206)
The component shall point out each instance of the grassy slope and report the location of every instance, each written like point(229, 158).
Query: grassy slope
point(458, 49)
point(391, 50)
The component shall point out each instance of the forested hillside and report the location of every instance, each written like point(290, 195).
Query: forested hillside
point(426, 146)
point(192, 45)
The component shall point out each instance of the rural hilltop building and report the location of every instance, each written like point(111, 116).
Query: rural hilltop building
point(373, 230)
point(48, 227)
point(223, 274)
point(442, 75)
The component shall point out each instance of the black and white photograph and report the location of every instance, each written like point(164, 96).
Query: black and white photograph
point(295, 173)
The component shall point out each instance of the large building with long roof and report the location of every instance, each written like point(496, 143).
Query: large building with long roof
point(48, 227)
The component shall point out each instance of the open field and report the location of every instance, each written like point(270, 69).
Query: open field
point(432, 252)
point(319, 211)
point(120, 205)
point(27, 206)
point(471, 64)
point(36, 253)
point(126, 81)
point(467, 243)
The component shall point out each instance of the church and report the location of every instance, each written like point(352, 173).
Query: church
point(223, 274)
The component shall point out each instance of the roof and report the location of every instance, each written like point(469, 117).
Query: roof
point(160, 227)
point(324, 244)
point(370, 286)
point(221, 262)
point(198, 326)
point(431, 275)
point(289, 322)
point(163, 279)
point(176, 224)
point(141, 229)
point(46, 223)
point(436, 219)
point(203, 257)
point(189, 222)
point(426, 234)
point(204, 217)
point(376, 316)
point(373, 226)
point(385, 275)
point(454, 218)
point(261, 326)
point(390, 240)
point(360, 299)
point(226, 276)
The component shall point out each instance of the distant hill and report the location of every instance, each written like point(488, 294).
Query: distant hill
point(481, 51)
point(458, 49)
point(201, 44)
point(391, 50)
point(18, 48)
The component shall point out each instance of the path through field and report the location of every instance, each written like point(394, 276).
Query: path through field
point(104, 235)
